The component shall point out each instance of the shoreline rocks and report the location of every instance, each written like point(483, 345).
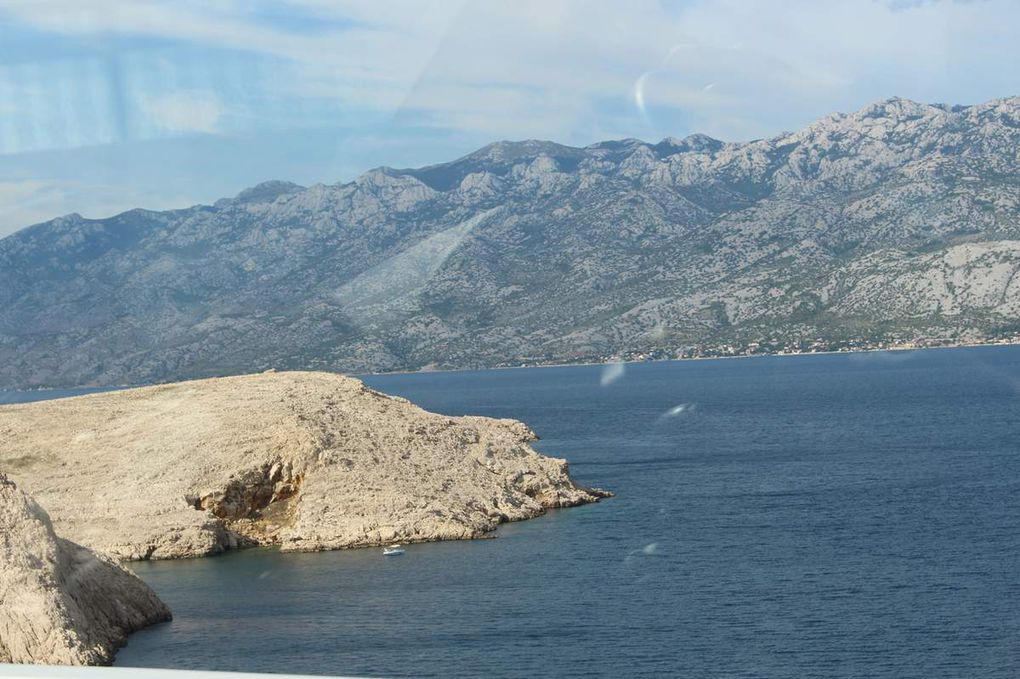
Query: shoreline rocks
point(307, 461)
point(61, 603)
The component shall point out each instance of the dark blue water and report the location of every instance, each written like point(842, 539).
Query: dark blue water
point(818, 516)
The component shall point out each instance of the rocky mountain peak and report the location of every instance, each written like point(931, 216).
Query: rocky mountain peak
point(503, 152)
point(698, 143)
point(267, 192)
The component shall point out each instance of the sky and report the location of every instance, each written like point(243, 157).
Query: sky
point(106, 105)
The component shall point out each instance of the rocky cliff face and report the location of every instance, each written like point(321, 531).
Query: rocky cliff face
point(61, 603)
point(902, 218)
point(307, 461)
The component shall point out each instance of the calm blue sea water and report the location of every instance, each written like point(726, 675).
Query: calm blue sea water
point(817, 516)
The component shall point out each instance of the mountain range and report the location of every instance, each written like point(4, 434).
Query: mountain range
point(897, 223)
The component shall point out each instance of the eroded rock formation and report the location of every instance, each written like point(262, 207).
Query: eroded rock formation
point(61, 603)
point(304, 460)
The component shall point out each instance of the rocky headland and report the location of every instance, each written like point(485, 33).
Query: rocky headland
point(303, 460)
point(61, 603)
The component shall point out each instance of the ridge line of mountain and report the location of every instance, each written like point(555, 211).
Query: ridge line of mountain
point(895, 224)
point(667, 142)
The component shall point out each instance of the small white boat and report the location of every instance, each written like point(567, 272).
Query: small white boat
point(392, 550)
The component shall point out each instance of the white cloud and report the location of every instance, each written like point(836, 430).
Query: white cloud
point(568, 70)
point(184, 111)
point(410, 82)
point(25, 201)
point(18, 193)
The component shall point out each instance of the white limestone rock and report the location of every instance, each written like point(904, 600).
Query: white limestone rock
point(304, 460)
point(61, 603)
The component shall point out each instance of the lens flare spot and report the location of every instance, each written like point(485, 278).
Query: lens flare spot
point(611, 372)
point(678, 410)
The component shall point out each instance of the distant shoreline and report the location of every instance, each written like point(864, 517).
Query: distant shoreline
point(898, 349)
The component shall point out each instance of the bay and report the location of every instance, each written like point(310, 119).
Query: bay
point(811, 516)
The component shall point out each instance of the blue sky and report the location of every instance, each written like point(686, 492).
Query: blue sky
point(111, 104)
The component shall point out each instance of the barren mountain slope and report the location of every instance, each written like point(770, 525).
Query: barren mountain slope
point(531, 251)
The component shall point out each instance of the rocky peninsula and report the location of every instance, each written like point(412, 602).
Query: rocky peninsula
point(61, 603)
point(302, 460)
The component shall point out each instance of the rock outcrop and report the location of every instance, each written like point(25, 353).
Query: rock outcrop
point(61, 603)
point(303, 460)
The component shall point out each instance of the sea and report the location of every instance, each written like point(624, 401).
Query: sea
point(844, 515)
